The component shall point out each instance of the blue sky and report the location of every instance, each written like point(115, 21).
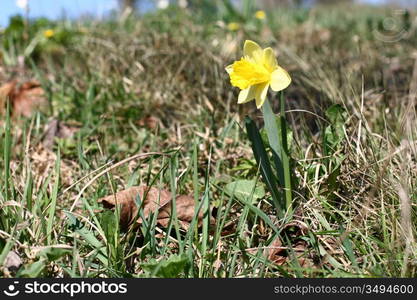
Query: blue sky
point(73, 8)
point(56, 8)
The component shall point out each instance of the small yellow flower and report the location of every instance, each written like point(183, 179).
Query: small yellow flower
point(48, 33)
point(260, 15)
point(233, 26)
point(255, 72)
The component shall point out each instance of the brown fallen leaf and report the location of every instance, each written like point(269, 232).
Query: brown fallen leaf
point(24, 98)
point(275, 249)
point(150, 122)
point(57, 129)
point(306, 262)
point(295, 229)
point(278, 254)
point(28, 98)
point(185, 207)
point(152, 199)
point(12, 261)
point(5, 92)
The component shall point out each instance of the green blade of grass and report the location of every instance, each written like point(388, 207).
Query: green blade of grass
point(7, 154)
point(54, 196)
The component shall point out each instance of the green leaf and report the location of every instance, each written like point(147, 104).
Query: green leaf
point(335, 114)
point(76, 226)
point(334, 133)
point(246, 167)
point(245, 190)
point(169, 268)
point(348, 248)
point(33, 270)
point(278, 140)
point(275, 142)
point(334, 170)
point(263, 162)
point(290, 136)
point(109, 224)
point(53, 253)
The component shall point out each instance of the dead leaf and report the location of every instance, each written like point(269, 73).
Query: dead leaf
point(153, 200)
point(5, 92)
point(57, 129)
point(185, 207)
point(28, 98)
point(150, 122)
point(12, 261)
point(275, 249)
point(306, 262)
point(24, 98)
point(295, 229)
point(279, 254)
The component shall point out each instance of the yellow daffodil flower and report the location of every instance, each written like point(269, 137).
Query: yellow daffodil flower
point(260, 15)
point(48, 33)
point(233, 26)
point(255, 72)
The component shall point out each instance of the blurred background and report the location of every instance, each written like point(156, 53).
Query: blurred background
point(100, 8)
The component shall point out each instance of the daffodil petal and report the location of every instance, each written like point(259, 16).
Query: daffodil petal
point(229, 69)
point(261, 92)
point(247, 95)
point(252, 51)
point(280, 79)
point(269, 59)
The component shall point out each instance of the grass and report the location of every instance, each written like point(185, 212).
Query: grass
point(351, 108)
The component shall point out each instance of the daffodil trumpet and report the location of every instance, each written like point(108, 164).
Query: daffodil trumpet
point(255, 72)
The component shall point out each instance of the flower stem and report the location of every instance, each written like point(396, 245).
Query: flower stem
point(285, 156)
